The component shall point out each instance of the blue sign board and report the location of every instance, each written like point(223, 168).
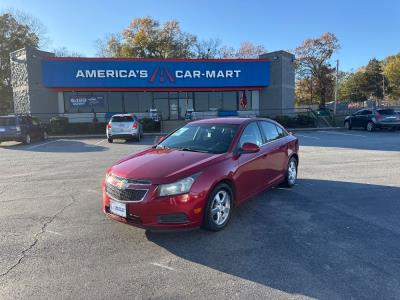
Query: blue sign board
point(86, 101)
point(148, 74)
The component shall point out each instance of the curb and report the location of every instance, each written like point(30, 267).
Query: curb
point(93, 136)
point(316, 129)
point(103, 136)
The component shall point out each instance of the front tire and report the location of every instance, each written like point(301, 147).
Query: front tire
point(370, 126)
point(44, 136)
point(219, 208)
point(347, 125)
point(27, 139)
point(291, 173)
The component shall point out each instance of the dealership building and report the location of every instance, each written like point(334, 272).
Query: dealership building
point(173, 89)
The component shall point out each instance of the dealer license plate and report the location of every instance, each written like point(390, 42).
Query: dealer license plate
point(118, 208)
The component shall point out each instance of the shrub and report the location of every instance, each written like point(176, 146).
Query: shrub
point(59, 124)
point(297, 121)
point(149, 125)
point(304, 120)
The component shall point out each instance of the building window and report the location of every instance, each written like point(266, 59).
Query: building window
point(201, 101)
point(230, 100)
point(84, 102)
point(215, 101)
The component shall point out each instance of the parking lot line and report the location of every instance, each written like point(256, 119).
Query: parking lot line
point(162, 266)
point(99, 142)
point(341, 133)
point(42, 144)
point(307, 136)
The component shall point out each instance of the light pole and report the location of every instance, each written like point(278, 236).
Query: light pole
point(336, 86)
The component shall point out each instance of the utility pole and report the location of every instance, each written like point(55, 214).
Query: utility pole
point(336, 86)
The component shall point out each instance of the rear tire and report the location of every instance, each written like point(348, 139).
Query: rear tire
point(370, 126)
point(27, 139)
point(291, 173)
point(219, 208)
point(110, 140)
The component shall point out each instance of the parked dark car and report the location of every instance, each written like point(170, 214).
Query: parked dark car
point(199, 173)
point(370, 119)
point(21, 128)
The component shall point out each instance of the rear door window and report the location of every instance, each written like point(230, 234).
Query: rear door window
point(270, 131)
point(386, 112)
point(7, 121)
point(119, 119)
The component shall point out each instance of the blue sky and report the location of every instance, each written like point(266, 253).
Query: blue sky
point(365, 29)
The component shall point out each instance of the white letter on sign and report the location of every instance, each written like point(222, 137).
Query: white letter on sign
point(178, 74)
point(79, 74)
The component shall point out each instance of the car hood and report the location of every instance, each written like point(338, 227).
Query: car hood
point(163, 165)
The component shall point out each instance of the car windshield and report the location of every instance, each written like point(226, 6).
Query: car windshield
point(117, 119)
point(386, 112)
point(7, 121)
point(212, 138)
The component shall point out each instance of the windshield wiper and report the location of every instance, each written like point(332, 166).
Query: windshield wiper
point(193, 150)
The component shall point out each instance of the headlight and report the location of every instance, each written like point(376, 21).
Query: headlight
point(109, 178)
point(179, 187)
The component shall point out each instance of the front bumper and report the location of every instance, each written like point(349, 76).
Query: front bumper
point(173, 212)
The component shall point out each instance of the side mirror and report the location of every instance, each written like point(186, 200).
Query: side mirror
point(161, 138)
point(249, 148)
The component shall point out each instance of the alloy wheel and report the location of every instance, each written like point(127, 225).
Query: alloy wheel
point(220, 207)
point(292, 172)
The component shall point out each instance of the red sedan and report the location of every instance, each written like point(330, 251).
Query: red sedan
point(198, 174)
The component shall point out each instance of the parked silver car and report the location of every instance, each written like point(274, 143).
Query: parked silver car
point(124, 126)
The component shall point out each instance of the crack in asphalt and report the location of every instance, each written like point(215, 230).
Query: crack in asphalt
point(37, 235)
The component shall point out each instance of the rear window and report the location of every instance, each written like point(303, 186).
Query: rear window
point(386, 111)
point(122, 119)
point(4, 121)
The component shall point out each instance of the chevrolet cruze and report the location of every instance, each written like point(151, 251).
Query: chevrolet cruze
point(198, 174)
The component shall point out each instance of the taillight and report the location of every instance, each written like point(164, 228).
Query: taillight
point(134, 125)
point(108, 126)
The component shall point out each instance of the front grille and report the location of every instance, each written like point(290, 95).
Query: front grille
point(134, 181)
point(125, 194)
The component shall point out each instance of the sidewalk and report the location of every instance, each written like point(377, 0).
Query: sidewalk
point(103, 136)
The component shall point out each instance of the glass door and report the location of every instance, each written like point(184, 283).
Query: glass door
point(173, 109)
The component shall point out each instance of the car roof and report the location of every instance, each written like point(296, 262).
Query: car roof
point(123, 115)
point(229, 120)
point(222, 120)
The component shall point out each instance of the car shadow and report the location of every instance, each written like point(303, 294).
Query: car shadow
point(57, 146)
point(322, 239)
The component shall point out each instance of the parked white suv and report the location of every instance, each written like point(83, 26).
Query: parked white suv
point(124, 126)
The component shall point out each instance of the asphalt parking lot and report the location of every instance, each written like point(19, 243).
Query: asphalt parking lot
point(335, 235)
